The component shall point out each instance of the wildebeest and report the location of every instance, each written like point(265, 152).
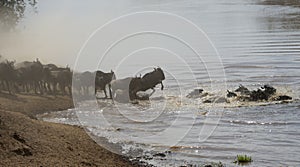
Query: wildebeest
point(63, 78)
point(121, 86)
point(83, 81)
point(49, 80)
point(30, 74)
point(148, 81)
point(130, 86)
point(97, 80)
point(7, 74)
point(102, 79)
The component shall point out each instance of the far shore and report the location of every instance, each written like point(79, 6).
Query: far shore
point(25, 141)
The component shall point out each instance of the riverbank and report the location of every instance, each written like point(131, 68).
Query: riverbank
point(25, 141)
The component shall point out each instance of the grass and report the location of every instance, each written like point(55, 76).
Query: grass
point(243, 159)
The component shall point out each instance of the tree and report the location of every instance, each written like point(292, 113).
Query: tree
point(12, 11)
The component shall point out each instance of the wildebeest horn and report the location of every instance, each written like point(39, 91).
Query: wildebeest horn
point(162, 86)
point(111, 71)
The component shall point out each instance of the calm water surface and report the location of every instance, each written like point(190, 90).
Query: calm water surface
point(259, 43)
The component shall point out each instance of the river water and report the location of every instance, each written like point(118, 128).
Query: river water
point(259, 43)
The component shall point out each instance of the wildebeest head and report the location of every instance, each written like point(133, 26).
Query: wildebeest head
point(153, 78)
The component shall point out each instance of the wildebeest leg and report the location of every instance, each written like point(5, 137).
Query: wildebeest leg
point(104, 89)
point(54, 88)
point(62, 88)
point(86, 90)
point(153, 90)
point(26, 89)
point(44, 86)
point(133, 95)
point(110, 92)
point(48, 87)
point(7, 86)
point(70, 90)
point(16, 88)
point(41, 88)
point(1, 85)
point(24, 86)
point(162, 86)
point(35, 85)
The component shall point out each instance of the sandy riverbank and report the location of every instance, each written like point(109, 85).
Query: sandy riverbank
point(25, 141)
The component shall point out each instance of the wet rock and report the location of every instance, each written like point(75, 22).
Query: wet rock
point(195, 93)
point(216, 100)
point(269, 90)
point(231, 94)
point(258, 95)
point(148, 157)
point(207, 101)
point(221, 100)
point(168, 152)
point(208, 165)
point(159, 155)
point(283, 97)
point(243, 90)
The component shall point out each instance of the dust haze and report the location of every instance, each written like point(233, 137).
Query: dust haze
point(56, 32)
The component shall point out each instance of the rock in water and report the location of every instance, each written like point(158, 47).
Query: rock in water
point(195, 93)
point(243, 90)
point(282, 98)
point(231, 94)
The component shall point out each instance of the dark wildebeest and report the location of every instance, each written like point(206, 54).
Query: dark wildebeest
point(125, 90)
point(7, 74)
point(148, 81)
point(30, 74)
point(63, 78)
point(102, 79)
point(83, 81)
point(49, 80)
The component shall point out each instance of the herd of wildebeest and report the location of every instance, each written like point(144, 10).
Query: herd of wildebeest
point(34, 77)
point(37, 78)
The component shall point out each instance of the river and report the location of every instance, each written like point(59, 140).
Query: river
point(259, 43)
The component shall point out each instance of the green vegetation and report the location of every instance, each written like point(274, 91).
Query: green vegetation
point(243, 159)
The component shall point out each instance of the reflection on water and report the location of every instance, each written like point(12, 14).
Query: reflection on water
point(282, 14)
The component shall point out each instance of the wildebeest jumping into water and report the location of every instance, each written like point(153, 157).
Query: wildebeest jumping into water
point(148, 81)
point(129, 87)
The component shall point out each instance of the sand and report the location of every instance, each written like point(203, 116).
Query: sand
point(25, 141)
